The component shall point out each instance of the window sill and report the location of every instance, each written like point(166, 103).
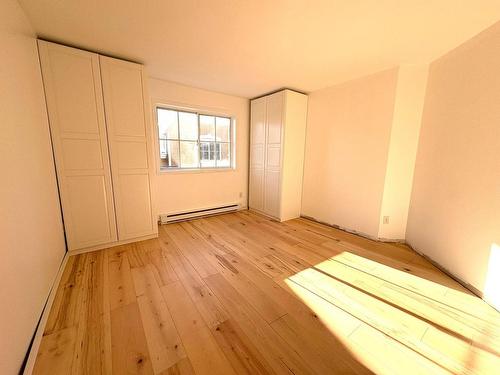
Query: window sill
point(196, 170)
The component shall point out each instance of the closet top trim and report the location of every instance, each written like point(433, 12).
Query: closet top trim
point(89, 50)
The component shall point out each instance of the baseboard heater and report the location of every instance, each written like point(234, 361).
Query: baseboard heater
point(186, 215)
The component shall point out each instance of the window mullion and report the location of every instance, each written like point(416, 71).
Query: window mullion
point(215, 139)
point(230, 142)
point(179, 139)
point(199, 145)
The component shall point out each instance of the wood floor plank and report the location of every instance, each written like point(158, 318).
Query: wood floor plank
point(231, 242)
point(90, 354)
point(106, 316)
point(205, 355)
point(234, 242)
point(191, 249)
point(64, 311)
point(290, 232)
point(324, 353)
point(137, 254)
point(376, 314)
point(241, 352)
point(55, 355)
point(378, 348)
point(183, 367)
point(164, 344)
point(203, 351)
point(223, 263)
point(482, 361)
point(186, 316)
point(432, 310)
point(121, 287)
point(271, 346)
point(245, 244)
point(240, 293)
point(129, 347)
point(207, 304)
point(163, 271)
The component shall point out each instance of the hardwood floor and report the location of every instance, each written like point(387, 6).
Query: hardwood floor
point(240, 294)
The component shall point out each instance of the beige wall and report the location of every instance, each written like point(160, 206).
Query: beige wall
point(347, 143)
point(181, 191)
point(31, 240)
point(455, 206)
point(407, 118)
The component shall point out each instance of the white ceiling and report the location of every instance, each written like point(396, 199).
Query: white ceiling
point(250, 47)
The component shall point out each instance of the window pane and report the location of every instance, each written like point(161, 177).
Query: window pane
point(223, 129)
point(167, 124)
point(207, 128)
point(207, 155)
point(189, 154)
point(188, 125)
point(223, 155)
point(169, 154)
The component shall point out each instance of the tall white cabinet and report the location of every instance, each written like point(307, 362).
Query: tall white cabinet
point(102, 142)
point(277, 141)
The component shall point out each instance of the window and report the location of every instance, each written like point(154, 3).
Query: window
point(190, 140)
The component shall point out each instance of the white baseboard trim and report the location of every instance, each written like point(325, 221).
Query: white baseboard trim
point(264, 214)
point(30, 363)
point(113, 244)
point(443, 269)
point(353, 231)
point(465, 284)
point(186, 215)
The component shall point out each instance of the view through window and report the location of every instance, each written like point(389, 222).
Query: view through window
point(192, 140)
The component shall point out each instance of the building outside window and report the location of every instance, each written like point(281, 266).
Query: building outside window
point(191, 140)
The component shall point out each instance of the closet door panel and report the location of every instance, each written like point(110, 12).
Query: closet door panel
point(258, 133)
point(72, 78)
point(130, 147)
point(123, 95)
point(136, 216)
point(82, 154)
point(257, 153)
point(272, 179)
point(274, 118)
point(258, 118)
point(256, 189)
point(132, 155)
point(76, 115)
point(257, 156)
point(274, 157)
point(274, 131)
point(87, 201)
point(272, 193)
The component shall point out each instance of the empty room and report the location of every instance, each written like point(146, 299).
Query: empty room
point(226, 187)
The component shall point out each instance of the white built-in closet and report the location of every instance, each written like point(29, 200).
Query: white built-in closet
point(102, 141)
point(277, 141)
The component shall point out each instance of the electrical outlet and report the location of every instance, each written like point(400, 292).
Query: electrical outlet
point(241, 194)
point(386, 220)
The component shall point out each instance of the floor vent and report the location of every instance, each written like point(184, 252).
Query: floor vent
point(180, 216)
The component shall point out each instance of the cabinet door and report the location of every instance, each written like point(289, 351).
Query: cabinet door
point(74, 101)
point(129, 134)
point(272, 193)
point(274, 147)
point(258, 133)
point(257, 154)
point(274, 118)
point(256, 189)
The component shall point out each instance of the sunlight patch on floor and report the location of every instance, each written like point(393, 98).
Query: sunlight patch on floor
point(394, 321)
point(492, 284)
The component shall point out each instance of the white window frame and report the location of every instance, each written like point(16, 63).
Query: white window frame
point(199, 112)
